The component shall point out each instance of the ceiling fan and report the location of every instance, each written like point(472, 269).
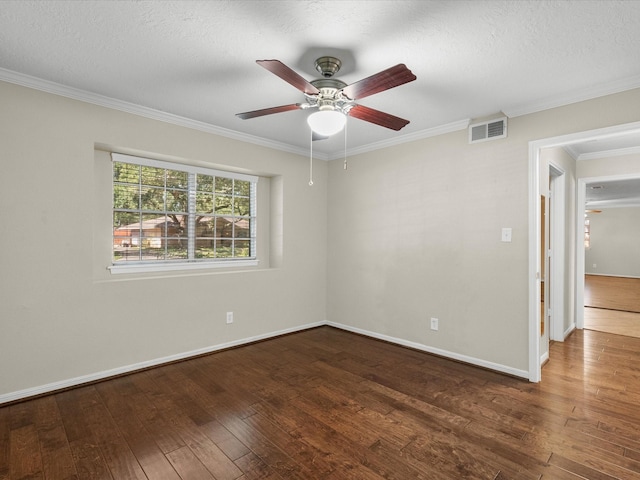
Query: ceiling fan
point(333, 98)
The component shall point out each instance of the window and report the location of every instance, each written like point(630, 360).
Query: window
point(168, 216)
point(587, 232)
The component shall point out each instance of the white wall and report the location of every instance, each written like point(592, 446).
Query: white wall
point(615, 242)
point(626, 166)
point(610, 166)
point(65, 317)
point(414, 233)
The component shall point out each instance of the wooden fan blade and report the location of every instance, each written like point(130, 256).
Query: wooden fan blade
point(269, 111)
point(280, 69)
point(389, 78)
point(376, 116)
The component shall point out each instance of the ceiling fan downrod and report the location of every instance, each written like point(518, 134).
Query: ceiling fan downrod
point(328, 66)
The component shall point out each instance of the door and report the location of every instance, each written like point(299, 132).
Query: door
point(545, 298)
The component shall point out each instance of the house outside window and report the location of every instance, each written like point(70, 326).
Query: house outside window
point(174, 215)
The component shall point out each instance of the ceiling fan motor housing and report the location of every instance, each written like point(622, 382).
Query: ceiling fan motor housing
point(330, 97)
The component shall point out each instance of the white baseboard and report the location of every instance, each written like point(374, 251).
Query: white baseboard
point(569, 330)
point(436, 351)
point(610, 275)
point(73, 382)
point(93, 377)
point(544, 358)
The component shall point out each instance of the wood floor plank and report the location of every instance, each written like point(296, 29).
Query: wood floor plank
point(141, 442)
point(25, 460)
point(5, 435)
point(613, 293)
point(325, 404)
point(188, 466)
point(88, 461)
point(255, 469)
point(269, 453)
point(57, 458)
point(228, 443)
point(580, 469)
point(318, 460)
point(612, 321)
point(150, 406)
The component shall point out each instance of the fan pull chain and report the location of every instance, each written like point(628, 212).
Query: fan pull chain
point(311, 158)
point(345, 145)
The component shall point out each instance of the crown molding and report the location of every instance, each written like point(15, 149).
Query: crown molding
point(575, 97)
point(127, 107)
point(609, 153)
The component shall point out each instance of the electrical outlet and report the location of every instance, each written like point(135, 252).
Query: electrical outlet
point(434, 323)
point(229, 317)
point(506, 234)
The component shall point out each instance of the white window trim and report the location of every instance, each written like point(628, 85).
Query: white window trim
point(176, 266)
point(168, 266)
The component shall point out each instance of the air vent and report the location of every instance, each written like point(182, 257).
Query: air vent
point(491, 130)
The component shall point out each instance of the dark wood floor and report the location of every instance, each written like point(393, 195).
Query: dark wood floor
point(327, 404)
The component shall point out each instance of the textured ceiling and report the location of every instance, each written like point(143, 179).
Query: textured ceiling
point(196, 59)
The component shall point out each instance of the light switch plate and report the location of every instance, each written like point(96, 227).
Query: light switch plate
point(506, 234)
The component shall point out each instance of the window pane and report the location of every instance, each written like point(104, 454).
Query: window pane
point(205, 248)
point(127, 254)
point(224, 227)
point(177, 179)
point(178, 227)
point(152, 199)
point(153, 176)
point(204, 183)
point(224, 248)
point(242, 187)
point(126, 173)
point(125, 226)
point(177, 201)
point(224, 185)
point(242, 248)
point(241, 206)
point(224, 204)
point(177, 251)
point(126, 197)
point(153, 225)
point(123, 220)
point(242, 228)
point(204, 202)
point(204, 226)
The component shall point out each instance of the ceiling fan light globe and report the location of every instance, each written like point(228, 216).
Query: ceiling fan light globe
point(327, 122)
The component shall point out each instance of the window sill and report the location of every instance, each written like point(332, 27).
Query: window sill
point(183, 266)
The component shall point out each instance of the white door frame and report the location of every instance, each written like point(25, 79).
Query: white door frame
point(535, 371)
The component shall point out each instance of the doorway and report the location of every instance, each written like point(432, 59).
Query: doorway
point(574, 270)
point(614, 304)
